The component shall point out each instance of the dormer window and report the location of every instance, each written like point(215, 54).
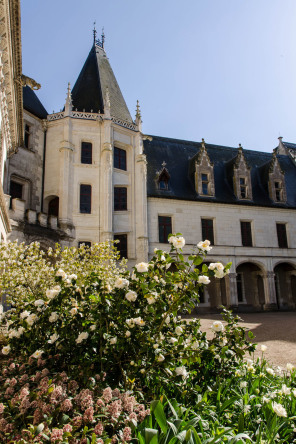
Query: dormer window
point(242, 176)
point(163, 178)
point(277, 189)
point(204, 173)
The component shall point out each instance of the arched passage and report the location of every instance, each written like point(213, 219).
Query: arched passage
point(215, 294)
point(285, 285)
point(51, 205)
point(250, 286)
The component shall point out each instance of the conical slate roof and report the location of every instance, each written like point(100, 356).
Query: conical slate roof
point(90, 88)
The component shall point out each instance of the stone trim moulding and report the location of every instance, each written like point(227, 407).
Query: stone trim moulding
point(90, 116)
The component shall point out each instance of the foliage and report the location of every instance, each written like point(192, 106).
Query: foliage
point(37, 405)
point(27, 271)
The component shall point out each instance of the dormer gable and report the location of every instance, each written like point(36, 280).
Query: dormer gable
point(276, 181)
point(162, 178)
point(204, 173)
point(242, 184)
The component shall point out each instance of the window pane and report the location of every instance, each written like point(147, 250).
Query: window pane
point(119, 158)
point(122, 245)
point(120, 199)
point(204, 177)
point(207, 228)
point(86, 152)
point(85, 199)
point(164, 228)
point(282, 235)
point(246, 234)
point(204, 188)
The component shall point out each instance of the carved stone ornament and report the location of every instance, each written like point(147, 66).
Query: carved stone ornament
point(204, 173)
point(242, 184)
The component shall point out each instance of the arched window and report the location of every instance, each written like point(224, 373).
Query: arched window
point(53, 207)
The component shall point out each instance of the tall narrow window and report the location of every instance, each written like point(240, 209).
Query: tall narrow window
point(85, 199)
point(121, 245)
point(243, 188)
point(119, 158)
point(27, 136)
point(282, 235)
point(120, 199)
point(207, 229)
point(86, 153)
point(164, 228)
point(278, 191)
point(246, 233)
point(205, 183)
point(16, 190)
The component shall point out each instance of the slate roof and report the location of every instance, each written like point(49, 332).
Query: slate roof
point(180, 156)
point(90, 88)
point(33, 104)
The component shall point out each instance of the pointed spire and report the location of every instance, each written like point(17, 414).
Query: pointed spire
point(203, 144)
point(95, 33)
point(138, 117)
point(68, 104)
point(103, 37)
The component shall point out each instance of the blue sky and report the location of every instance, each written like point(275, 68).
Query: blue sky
point(224, 70)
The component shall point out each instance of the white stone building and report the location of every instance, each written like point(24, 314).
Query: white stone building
point(87, 174)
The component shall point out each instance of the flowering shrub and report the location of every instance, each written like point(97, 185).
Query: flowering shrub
point(27, 271)
point(130, 327)
point(37, 405)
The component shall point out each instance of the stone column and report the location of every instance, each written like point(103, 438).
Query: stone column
point(233, 291)
point(269, 290)
point(106, 188)
point(141, 208)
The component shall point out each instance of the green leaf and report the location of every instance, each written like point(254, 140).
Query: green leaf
point(39, 429)
point(157, 409)
point(251, 335)
point(241, 423)
point(150, 434)
point(198, 260)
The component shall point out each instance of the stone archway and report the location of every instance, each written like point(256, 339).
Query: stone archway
point(51, 205)
point(215, 294)
point(250, 286)
point(285, 285)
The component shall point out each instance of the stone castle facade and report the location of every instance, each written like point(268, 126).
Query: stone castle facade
point(88, 173)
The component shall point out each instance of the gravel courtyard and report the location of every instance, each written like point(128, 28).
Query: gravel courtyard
point(277, 330)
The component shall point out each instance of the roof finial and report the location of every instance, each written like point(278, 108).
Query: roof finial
point(240, 148)
point(203, 145)
point(163, 164)
point(138, 111)
point(103, 37)
point(68, 104)
point(95, 33)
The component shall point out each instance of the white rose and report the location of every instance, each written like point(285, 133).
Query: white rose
point(24, 314)
point(195, 345)
point(294, 392)
point(92, 327)
point(172, 239)
point(113, 340)
point(204, 245)
point(139, 321)
point(121, 283)
point(53, 317)
point(20, 330)
point(151, 300)
point(173, 340)
point(290, 367)
point(219, 274)
point(181, 371)
point(53, 338)
point(6, 350)
point(53, 292)
point(131, 296)
point(217, 326)
point(179, 242)
point(212, 266)
point(72, 276)
point(127, 333)
point(155, 346)
point(167, 320)
point(81, 337)
point(73, 311)
point(243, 384)
point(31, 319)
point(13, 334)
point(37, 354)
point(160, 358)
point(270, 371)
point(142, 267)
point(285, 390)
point(130, 323)
point(61, 273)
point(39, 302)
point(203, 280)
point(279, 409)
point(179, 330)
point(263, 348)
point(132, 363)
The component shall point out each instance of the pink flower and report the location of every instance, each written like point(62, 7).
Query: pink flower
point(73, 386)
point(127, 434)
point(99, 428)
point(107, 394)
point(100, 403)
point(12, 366)
point(66, 405)
point(88, 415)
point(56, 435)
point(1, 408)
point(67, 428)
point(77, 421)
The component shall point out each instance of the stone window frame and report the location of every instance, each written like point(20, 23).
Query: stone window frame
point(82, 157)
point(121, 149)
point(203, 165)
point(251, 232)
point(241, 170)
point(158, 222)
point(27, 188)
point(214, 230)
point(91, 197)
point(276, 175)
point(285, 224)
point(121, 206)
